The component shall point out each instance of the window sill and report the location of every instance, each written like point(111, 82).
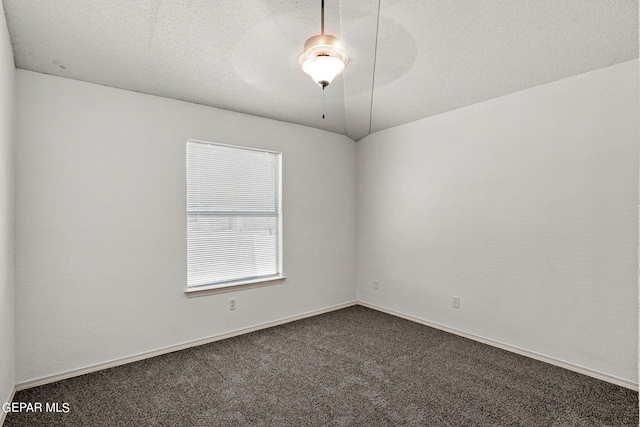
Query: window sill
point(232, 287)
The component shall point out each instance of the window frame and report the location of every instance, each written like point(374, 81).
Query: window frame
point(233, 285)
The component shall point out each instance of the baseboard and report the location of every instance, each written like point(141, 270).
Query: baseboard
point(3, 415)
point(513, 349)
point(178, 347)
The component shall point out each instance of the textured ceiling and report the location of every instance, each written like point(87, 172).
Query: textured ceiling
point(430, 56)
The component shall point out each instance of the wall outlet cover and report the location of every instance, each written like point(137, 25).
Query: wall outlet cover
point(455, 301)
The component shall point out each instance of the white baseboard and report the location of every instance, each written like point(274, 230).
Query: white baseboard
point(507, 347)
point(3, 415)
point(165, 350)
point(146, 355)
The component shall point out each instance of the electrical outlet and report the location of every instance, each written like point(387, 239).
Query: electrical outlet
point(232, 303)
point(455, 301)
point(376, 284)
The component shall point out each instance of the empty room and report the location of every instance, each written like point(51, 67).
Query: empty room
point(310, 213)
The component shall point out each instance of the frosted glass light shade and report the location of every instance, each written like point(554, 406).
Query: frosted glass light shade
point(323, 69)
point(323, 58)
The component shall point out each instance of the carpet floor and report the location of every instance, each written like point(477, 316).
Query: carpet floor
point(351, 367)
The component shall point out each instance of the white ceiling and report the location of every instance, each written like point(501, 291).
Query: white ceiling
point(432, 56)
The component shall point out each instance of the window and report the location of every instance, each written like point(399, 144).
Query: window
point(234, 220)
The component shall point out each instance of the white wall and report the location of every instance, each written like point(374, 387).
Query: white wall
point(524, 206)
point(7, 117)
point(100, 205)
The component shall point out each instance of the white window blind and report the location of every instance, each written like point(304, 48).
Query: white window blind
point(233, 215)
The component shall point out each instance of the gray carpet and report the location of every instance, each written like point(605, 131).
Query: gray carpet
point(352, 367)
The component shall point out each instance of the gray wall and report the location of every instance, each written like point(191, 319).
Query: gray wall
point(525, 206)
point(7, 78)
point(101, 250)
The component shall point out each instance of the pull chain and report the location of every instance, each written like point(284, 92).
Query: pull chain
point(323, 103)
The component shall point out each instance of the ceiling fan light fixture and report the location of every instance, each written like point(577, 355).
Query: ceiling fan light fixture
point(323, 58)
